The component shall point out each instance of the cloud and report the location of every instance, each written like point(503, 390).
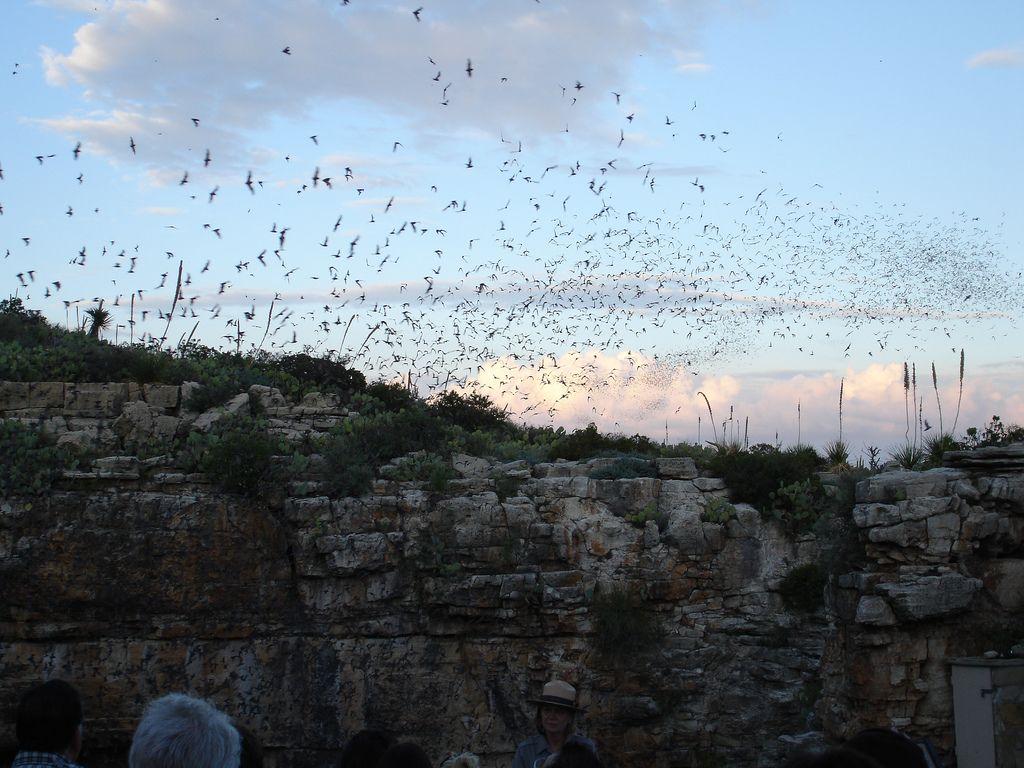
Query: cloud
point(997, 57)
point(80, 6)
point(691, 62)
point(222, 61)
point(635, 394)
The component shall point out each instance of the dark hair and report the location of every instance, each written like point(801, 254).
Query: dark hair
point(48, 716)
point(575, 754)
point(252, 751)
point(832, 758)
point(404, 755)
point(365, 749)
point(889, 748)
point(539, 721)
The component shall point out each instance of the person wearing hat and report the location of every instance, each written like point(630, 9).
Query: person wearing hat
point(556, 713)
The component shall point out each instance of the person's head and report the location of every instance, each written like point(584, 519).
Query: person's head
point(463, 760)
point(179, 731)
point(404, 755)
point(252, 750)
point(889, 748)
point(574, 755)
point(556, 709)
point(50, 719)
point(365, 749)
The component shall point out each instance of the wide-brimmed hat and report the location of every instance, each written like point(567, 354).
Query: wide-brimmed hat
point(558, 693)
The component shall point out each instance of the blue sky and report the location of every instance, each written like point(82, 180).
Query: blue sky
point(856, 208)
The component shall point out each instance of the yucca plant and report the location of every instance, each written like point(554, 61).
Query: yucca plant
point(837, 454)
point(908, 455)
point(938, 445)
point(99, 320)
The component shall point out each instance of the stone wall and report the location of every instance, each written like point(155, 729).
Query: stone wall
point(310, 617)
point(944, 579)
point(128, 417)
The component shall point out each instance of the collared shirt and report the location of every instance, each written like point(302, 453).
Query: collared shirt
point(535, 750)
point(28, 759)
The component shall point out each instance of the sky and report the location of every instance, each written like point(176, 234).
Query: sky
point(588, 210)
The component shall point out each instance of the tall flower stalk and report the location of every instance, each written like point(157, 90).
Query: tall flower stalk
point(906, 399)
point(961, 393)
point(710, 414)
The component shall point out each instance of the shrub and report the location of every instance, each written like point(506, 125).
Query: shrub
point(428, 466)
point(908, 456)
point(936, 446)
point(20, 324)
point(506, 486)
point(236, 454)
point(626, 467)
point(471, 412)
point(623, 628)
point(355, 479)
point(28, 466)
point(995, 433)
point(213, 394)
point(803, 588)
point(799, 505)
point(325, 373)
point(837, 454)
point(588, 442)
point(360, 445)
point(649, 512)
point(753, 476)
point(717, 510)
point(389, 397)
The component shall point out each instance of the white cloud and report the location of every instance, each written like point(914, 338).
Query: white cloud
point(635, 394)
point(222, 61)
point(998, 57)
point(691, 62)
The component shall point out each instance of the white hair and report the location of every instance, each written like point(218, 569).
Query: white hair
point(465, 760)
point(179, 731)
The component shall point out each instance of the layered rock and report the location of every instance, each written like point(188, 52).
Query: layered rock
point(436, 616)
point(944, 578)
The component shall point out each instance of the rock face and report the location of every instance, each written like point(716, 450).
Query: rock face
point(943, 578)
point(436, 616)
point(128, 417)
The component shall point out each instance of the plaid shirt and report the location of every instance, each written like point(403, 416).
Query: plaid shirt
point(28, 759)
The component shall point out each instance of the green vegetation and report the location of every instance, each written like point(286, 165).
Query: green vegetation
point(28, 464)
point(31, 349)
point(753, 476)
point(908, 456)
point(430, 467)
point(623, 628)
point(994, 433)
point(506, 486)
point(393, 421)
point(237, 453)
point(717, 510)
point(799, 505)
point(626, 467)
point(649, 512)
